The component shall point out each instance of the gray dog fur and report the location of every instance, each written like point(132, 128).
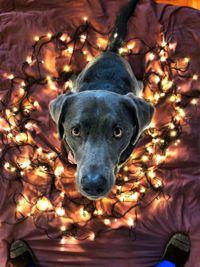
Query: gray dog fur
point(105, 99)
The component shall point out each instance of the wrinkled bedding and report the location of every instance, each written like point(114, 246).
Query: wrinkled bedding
point(20, 21)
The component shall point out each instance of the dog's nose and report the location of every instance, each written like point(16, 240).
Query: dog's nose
point(94, 185)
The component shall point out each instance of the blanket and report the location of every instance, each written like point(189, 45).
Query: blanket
point(138, 240)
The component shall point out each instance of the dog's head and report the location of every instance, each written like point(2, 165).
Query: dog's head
point(100, 129)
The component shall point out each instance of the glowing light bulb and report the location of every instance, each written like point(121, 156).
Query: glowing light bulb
point(89, 58)
point(36, 38)
point(25, 164)
point(164, 43)
point(67, 68)
point(186, 59)
point(162, 52)
point(70, 50)
point(11, 76)
point(158, 184)
point(122, 50)
point(171, 125)
point(131, 46)
point(163, 59)
point(21, 91)
point(10, 135)
point(60, 211)
point(156, 96)
point(150, 150)
point(7, 165)
point(100, 212)
point(125, 168)
point(59, 170)
point(13, 169)
point(106, 221)
point(131, 222)
point(69, 84)
point(125, 178)
point(43, 204)
point(194, 101)
point(181, 112)
point(63, 240)
point(151, 174)
point(23, 84)
point(195, 77)
point(49, 35)
point(28, 125)
point(19, 208)
point(170, 83)
point(51, 155)
point(142, 189)
point(39, 150)
point(145, 158)
point(83, 38)
point(135, 196)
point(177, 117)
point(92, 236)
point(172, 98)
point(173, 133)
point(63, 228)
point(85, 18)
point(53, 87)
point(115, 35)
point(62, 194)
point(172, 46)
point(29, 60)
point(159, 158)
point(63, 37)
point(121, 198)
point(21, 137)
point(157, 79)
point(36, 104)
point(150, 98)
point(151, 56)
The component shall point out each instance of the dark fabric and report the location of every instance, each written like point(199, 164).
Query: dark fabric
point(25, 260)
point(177, 256)
point(20, 21)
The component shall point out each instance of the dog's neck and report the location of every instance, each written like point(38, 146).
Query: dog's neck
point(120, 88)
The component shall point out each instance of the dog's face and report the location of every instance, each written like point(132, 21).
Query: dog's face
point(100, 129)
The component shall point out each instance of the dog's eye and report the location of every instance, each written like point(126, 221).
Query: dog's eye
point(117, 132)
point(76, 131)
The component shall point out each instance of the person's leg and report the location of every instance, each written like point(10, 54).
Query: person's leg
point(177, 251)
point(20, 255)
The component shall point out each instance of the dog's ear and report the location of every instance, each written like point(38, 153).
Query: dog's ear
point(142, 110)
point(57, 109)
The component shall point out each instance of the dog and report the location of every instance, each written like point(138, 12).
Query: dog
point(101, 121)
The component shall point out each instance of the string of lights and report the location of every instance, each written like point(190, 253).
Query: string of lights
point(47, 194)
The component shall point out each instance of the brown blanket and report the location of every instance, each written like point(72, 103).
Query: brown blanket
point(177, 210)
